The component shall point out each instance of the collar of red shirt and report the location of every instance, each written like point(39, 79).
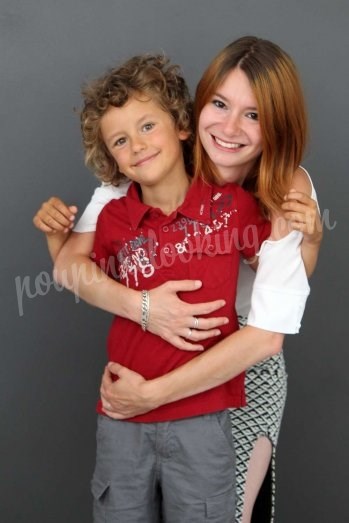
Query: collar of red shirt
point(196, 205)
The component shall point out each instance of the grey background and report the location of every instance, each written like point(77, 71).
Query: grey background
point(52, 349)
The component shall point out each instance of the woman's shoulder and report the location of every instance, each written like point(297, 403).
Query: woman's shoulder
point(301, 181)
point(106, 192)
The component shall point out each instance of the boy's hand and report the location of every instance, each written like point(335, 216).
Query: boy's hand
point(55, 216)
point(302, 213)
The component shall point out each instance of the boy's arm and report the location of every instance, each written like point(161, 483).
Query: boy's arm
point(56, 220)
point(55, 242)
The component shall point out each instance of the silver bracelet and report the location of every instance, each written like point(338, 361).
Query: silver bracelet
point(145, 310)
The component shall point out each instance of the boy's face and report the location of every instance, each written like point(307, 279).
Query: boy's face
point(144, 141)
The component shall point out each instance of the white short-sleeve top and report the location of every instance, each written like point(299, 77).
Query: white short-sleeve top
point(280, 288)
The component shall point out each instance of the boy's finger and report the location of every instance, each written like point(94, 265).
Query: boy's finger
point(294, 206)
point(300, 196)
point(55, 217)
point(54, 205)
point(295, 217)
point(57, 223)
point(39, 224)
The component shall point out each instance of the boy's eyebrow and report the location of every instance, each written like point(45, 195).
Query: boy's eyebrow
point(146, 117)
point(142, 119)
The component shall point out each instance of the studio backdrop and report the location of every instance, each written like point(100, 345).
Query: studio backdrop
point(53, 345)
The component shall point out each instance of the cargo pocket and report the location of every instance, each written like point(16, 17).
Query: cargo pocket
point(110, 505)
point(100, 492)
point(99, 489)
point(221, 508)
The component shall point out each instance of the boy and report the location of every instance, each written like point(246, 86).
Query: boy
point(175, 462)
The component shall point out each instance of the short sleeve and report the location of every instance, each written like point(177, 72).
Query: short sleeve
point(101, 196)
point(281, 287)
point(101, 253)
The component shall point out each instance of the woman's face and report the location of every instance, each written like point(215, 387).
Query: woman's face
point(229, 128)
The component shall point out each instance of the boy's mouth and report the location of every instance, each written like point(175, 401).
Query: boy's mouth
point(142, 161)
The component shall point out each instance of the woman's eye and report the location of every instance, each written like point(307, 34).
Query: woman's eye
point(219, 104)
point(148, 126)
point(253, 116)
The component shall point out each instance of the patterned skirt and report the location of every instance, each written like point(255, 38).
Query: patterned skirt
point(266, 389)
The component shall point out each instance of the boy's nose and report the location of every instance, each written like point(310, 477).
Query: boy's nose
point(138, 144)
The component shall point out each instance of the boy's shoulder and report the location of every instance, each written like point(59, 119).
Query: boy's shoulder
point(120, 211)
point(114, 205)
point(114, 211)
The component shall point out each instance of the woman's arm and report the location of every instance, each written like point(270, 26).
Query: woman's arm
point(282, 283)
point(278, 299)
point(302, 213)
point(132, 395)
point(74, 270)
point(169, 317)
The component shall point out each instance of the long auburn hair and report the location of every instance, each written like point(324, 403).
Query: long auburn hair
point(282, 115)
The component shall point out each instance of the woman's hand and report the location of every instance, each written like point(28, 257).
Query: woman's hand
point(55, 216)
point(181, 323)
point(126, 397)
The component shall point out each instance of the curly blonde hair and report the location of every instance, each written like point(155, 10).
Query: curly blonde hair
point(149, 75)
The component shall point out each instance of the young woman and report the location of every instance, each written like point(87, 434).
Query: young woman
point(252, 130)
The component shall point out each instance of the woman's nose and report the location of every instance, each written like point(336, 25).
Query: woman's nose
point(231, 125)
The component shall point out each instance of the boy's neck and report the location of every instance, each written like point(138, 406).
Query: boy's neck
point(169, 195)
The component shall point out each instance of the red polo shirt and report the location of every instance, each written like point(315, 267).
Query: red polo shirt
point(202, 239)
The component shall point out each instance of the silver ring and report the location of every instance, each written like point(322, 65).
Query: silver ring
point(190, 332)
point(196, 323)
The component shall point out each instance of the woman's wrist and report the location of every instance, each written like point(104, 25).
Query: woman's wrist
point(145, 310)
point(128, 303)
point(154, 393)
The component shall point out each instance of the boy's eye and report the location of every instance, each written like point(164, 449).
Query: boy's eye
point(253, 116)
point(218, 103)
point(148, 126)
point(119, 142)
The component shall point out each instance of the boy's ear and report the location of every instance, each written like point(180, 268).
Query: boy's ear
point(183, 135)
